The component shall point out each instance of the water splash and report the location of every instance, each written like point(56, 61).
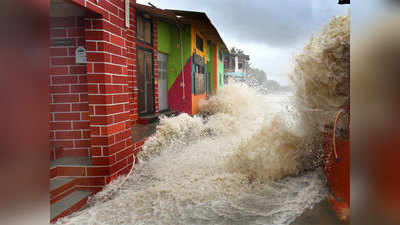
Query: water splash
point(321, 75)
point(191, 170)
point(243, 161)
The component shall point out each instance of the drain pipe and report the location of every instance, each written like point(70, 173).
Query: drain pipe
point(182, 66)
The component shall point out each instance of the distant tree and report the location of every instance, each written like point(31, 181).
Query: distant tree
point(272, 85)
point(257, 75)
point(233, 51)
point(236, 51)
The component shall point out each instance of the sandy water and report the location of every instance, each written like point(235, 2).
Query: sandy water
point(250, 159)
point(239, 165)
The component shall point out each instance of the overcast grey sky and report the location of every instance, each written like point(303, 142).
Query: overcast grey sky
point(269, 31)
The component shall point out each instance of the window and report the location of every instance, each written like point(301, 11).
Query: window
point(199, 43)
point(220, 55)
point(145, 81)
point(147, 32)
point(199, 80)
point(144, 29)
point(240, 65)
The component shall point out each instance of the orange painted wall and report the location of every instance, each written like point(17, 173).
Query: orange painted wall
point(195, 102)
point(196, 98)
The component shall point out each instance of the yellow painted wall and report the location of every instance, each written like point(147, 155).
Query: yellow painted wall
point(196, 98)
point(203, 53)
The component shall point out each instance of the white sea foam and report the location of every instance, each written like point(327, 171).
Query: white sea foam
point(241, 162)
point(321, 75)
point(191, 170)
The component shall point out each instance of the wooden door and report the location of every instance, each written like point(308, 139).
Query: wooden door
point(145, 81)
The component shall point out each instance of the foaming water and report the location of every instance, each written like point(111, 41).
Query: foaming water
point(321, 75)
point(248, 159)
point(241, 162)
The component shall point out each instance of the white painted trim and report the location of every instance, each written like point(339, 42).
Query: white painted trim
point(127, 12)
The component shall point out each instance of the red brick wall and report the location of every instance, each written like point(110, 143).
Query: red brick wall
point(108, 80)
point(69, 120)
point(111, 81)
point(108, 91)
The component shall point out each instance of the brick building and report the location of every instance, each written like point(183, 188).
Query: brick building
point(104, 84)
point(93, 99)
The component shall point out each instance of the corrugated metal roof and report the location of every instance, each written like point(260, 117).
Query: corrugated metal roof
point(199, 20)
point(202, 23)
point(156, 12)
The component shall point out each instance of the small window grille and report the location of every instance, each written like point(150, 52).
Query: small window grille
point(199, 43)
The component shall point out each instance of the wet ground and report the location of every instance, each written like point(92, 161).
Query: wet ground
point(321, 214)
point(190, 173)
point(142, 131)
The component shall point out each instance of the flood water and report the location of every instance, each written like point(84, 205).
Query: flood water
point(243, 163)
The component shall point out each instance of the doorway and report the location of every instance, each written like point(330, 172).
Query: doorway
point(209, 84)
point(145, 79)
point(162, 82)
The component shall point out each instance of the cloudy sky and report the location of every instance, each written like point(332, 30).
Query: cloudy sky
point(269, 31)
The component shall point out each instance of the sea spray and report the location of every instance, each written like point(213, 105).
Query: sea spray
point(321, 80)
point(185, 174)
point(321, 75)
point(270, 154)
point(236, 163)
point(176, 130)
point(236, 99)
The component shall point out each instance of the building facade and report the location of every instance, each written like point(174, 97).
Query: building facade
point(115, 64)
point(236, 65)
point(95, 97)
point(191, 62)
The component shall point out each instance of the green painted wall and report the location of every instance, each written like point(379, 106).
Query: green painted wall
point(168, 36)
point(220, 65)
point(164, 37)
point(210, 65)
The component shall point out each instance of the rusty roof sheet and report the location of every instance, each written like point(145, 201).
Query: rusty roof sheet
point(156, 12)
point(202, 23)
point(199, 20)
